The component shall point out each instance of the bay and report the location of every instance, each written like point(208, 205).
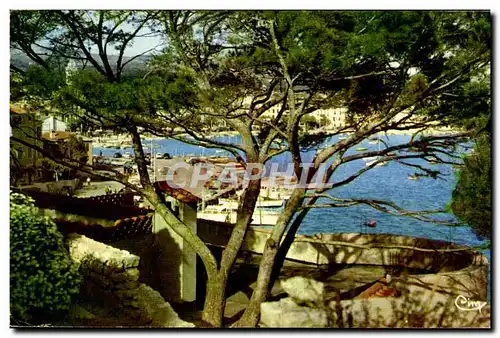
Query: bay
point(388, 182)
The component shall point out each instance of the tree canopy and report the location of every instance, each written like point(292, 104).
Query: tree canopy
point(394, 70)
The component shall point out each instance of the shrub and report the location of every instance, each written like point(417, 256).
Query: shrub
point(471, 199)
point(43, 279)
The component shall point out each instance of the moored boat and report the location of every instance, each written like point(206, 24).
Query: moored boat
point(380, 164)
point(274, 203)
point(222, 213)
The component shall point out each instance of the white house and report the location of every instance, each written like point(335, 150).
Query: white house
point(51, 123)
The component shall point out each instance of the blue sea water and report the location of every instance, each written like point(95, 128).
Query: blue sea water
point(388, 182)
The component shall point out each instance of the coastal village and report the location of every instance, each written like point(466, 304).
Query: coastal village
point(51, 133)
point(147, 244)
point(31, 172)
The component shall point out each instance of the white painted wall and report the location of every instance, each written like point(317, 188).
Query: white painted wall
point(53, 124)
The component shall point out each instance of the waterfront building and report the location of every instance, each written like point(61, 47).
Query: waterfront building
point(52, 124)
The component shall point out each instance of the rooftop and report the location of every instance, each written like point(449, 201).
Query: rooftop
point(178, 193)
point(56, 135)
point(16, 108)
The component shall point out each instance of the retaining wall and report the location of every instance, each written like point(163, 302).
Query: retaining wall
point(446, 266)
point(111, 278)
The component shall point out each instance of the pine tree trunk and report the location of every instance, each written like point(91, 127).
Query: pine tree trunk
point(213, 311)
point(215, 302)
point(250, 317)
point(287, 242)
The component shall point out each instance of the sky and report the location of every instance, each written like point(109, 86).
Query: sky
point(140, 44)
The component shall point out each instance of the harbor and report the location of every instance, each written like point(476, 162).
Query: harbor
point(397, 186)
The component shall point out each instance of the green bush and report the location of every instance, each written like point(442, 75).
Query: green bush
point(471, 199)
point(43, 279)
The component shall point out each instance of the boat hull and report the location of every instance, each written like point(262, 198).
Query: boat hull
point(258, 218)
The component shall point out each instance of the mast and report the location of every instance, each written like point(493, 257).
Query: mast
point(260, 210)
point(153, 159)
point(203, 200)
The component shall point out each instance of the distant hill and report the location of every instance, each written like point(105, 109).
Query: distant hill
point(22, 61)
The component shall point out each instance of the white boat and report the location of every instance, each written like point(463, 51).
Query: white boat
point(374, 159)
point(270, 203)
point(218, 213)
point(224, 213)
point(232, 204)
point(380, 164)
point(264, 219)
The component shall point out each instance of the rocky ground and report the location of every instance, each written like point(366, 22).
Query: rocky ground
point(347, 281)
point(344, 296)
point(306, 296)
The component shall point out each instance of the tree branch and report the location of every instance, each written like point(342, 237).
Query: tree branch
point(380, 205)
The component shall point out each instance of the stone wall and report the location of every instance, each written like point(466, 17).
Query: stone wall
point(111, 279)
point(307, 306)
point(355, 248)
point(59, 187)
point(448, 267)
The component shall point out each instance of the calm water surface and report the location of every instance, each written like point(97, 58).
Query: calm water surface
point(389, 182)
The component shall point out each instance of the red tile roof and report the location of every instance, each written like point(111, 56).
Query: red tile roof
point(56, 135)
point(17, 109)
point(178, 193)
